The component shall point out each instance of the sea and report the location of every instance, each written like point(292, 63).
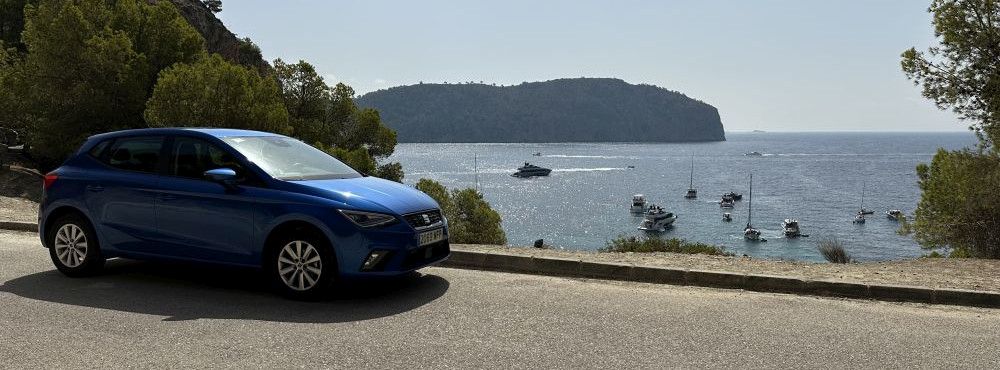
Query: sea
point(815, 178)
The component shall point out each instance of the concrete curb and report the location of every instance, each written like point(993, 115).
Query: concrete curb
point(712, 279)
point(715, 279)
point(19, 226)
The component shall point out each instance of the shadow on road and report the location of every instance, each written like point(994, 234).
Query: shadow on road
point(187, 292)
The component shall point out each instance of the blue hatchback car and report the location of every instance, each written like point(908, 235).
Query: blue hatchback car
point(234, 197)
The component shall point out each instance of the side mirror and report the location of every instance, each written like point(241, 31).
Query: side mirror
point(224, 176)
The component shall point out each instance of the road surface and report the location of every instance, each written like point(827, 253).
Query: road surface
point(170, 316)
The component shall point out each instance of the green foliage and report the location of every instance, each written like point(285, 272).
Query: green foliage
point(624, 244)
point(214, 92)
point(12, 22)
point(833, 251)
point(962, 72)
point(329, 118)
point(471, 220)
point(580, 109)
point(90, 67)
point(958, 208)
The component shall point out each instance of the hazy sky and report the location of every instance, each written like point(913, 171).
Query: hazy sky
point(788, 65)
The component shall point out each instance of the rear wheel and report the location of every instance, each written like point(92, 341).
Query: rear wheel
point(74, 247)
point(301, 266)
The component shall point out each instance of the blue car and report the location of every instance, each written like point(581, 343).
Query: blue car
point(234, 197)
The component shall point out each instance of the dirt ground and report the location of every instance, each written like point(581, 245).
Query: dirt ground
point(953, 273)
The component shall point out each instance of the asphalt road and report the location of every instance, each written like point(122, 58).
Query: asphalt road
point(169, 316)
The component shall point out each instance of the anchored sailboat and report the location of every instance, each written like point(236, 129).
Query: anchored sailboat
point(692, 193)
point(750, 233)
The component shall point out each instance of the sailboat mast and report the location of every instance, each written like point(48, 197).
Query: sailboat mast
point(863, 186)
point(750, 202)
point(691, 185)
point(475, 165)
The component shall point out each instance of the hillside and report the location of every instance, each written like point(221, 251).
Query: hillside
point(563, 110)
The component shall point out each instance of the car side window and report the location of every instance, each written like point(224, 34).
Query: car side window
point(192, 157)
point(136, 154)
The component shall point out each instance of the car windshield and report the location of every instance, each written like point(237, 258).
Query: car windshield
point(289, 159)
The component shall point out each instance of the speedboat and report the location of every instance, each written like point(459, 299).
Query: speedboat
point(530, 170)
point(859, 218)
point(735, 196)
point(727, 217)
point(753, 154)
point(537, 154)
point(726, 202)
point(638, 204)
point(656, 219)
point(791, 228)
point(894, 214)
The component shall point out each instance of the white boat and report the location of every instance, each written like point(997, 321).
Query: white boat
point(638, 204)
point(727, 202)
point(656, 219)
point(692, 192)
point(750, 233)
point(859, 218)
point(894, 214)
point(727, 217)
point(791, 228)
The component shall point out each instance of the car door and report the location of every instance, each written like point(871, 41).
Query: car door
point(201, 219)
point(120, 195)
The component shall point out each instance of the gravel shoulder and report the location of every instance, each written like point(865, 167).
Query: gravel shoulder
point(951, 273)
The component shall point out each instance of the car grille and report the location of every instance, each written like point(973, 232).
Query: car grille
point(423, 219)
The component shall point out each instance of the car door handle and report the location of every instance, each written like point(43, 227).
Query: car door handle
point(167, 197)
point(95, 188)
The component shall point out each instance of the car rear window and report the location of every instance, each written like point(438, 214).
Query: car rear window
point(136, 154)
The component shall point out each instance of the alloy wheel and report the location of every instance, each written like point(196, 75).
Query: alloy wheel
point(71, 245)
point(299, 265)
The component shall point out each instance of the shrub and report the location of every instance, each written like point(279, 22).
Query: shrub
point(649, 245)
point(471, 220)
point(833, 251)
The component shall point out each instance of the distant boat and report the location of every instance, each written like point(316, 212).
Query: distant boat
point(638, 204)
point(791, 228)
point(753, 154)
point(726, 202)
point(631, 167)
point(656, 219)
point(692, 193)
point(530, 170)
point(727, 217)
point(894, 214)
point(750, 233)
point(862, 211)
point(859, 218)
point(537, 154)
point(734, 195)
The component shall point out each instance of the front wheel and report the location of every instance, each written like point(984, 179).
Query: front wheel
point(73, 246)
point(301, 267)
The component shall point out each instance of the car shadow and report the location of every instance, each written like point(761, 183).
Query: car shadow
point(188, 292)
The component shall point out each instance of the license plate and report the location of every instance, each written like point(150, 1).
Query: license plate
point(431, 237)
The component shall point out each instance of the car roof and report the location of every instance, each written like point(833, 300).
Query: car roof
point(216, 132)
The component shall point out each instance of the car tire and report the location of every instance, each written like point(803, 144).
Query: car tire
point(73, 246)
point(301, 266)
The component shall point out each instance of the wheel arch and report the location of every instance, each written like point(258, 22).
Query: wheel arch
point(292, 226)
point(55, 214)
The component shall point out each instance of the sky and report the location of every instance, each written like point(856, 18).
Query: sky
point(774, 65)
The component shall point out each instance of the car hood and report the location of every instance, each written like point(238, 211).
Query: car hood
point(374, 194)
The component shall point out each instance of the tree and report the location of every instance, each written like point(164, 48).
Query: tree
point(471, 220)
point(90, 67)
point(959, 207)
point(306, 97)
point(12, 22)
point(962, 73)
point(214, 92)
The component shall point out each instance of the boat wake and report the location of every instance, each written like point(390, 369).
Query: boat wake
point(590, 156)
point(588, 169)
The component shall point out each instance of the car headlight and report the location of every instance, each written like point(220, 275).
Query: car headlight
point(368, 219)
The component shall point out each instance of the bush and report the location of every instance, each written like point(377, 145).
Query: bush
point(833, 251)
point(649, 245)
point(471, 220)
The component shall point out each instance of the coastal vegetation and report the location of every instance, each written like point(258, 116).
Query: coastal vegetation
point(563, 110)
point(623, 244)
point(471, 220)
point(833, 251)
point(959, 207)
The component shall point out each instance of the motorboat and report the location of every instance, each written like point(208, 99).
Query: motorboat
point(735, 196)
point(537, 154)
point(530, 170)
point(894, 214)
point(750, 233)
point(753, 154)
point(859, 218)
point(726, 202)
point(656, 219)
point(727, 217)
point(692, 193)
point(631, 167)
point(791, 228)
point(638, 204)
